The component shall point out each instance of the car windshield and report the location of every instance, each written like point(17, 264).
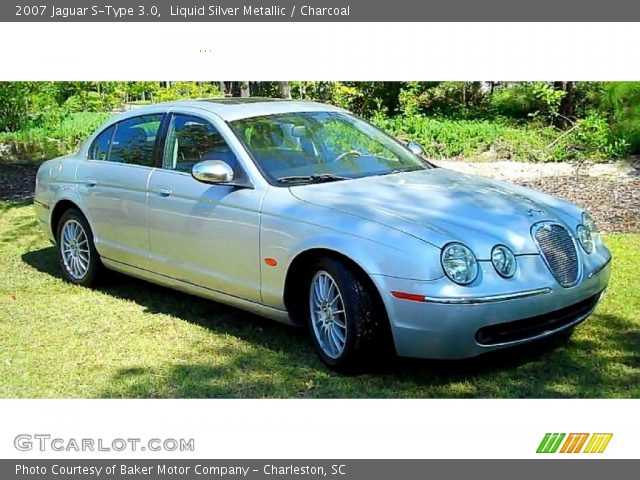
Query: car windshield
point(313, 147)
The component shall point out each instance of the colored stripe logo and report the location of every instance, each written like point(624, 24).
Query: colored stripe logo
point(574, 443)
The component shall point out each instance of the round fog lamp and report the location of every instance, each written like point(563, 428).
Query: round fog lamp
point(504, 261)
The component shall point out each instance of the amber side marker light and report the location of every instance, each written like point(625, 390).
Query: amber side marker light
point(272, 262)
point(409, 296)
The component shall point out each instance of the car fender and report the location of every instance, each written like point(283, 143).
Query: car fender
point(56, 183)
point(399, 255)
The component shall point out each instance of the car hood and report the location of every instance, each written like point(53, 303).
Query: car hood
point(440, 206)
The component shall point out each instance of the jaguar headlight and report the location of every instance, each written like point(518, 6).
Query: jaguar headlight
point(584, 237)
point(504, 261)
point(590, 223)
point(587, 233)
point(459, 263)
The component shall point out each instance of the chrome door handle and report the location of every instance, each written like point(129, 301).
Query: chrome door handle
point(164, 192)
point(90, 182)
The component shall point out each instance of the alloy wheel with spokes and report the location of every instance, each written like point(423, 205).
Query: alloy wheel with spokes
point(75, 249)
point(346, 318)
point(328, 314)
point(77, 254)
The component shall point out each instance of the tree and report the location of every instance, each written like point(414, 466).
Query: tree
point(285, 90)
point(567, 109)
point(245, 91)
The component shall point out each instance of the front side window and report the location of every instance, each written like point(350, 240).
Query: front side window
point(191, 140)
point(321, 143)
point(134, 140)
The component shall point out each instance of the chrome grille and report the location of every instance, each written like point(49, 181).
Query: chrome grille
point(559, 251)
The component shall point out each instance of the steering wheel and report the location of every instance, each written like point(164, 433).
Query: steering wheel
point(350, 153)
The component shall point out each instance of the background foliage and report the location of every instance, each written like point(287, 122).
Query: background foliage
point(528, 121)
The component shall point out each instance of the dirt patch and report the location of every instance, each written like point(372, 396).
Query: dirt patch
point(510, 171)
point(614, 204)
point(17, 182)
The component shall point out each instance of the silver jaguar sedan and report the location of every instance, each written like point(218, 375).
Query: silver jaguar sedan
point(305, 214)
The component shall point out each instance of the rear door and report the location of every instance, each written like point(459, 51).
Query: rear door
point(113, 184)
point(203, 234)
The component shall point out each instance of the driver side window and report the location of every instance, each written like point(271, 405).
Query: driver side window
point(191, 140)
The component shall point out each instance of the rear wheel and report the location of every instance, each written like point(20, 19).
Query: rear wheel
point(346, 328)
point(77, 253)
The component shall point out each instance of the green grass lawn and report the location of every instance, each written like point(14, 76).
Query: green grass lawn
point(133, 339)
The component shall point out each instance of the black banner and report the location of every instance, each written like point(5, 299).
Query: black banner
point(317, 11)
point(531, 469)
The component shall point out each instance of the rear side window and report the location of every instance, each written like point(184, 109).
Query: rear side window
point(100, 147)
point(134, 140)
point(130, 141)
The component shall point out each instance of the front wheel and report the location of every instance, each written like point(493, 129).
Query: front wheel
point(345, 325)
point(77, 254)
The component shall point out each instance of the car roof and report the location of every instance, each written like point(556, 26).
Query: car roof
point(235, 108)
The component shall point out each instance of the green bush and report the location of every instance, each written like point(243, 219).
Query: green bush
point(87, 102)
point(501, 139)
point(186, 90)
point(42, 143)
point(595, 136)
point(15, 100)
point(25, 106)
point(537, 100)
point(448, 99)
point(517, 101)
point(365, 99)
point(622, 102)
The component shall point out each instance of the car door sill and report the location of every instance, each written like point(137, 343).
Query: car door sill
point(210, 294)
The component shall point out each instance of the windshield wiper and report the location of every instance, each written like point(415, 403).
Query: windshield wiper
point(319, 178)
point(397, 170)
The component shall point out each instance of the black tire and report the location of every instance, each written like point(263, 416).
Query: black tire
point(365, 317)
point(95, 268)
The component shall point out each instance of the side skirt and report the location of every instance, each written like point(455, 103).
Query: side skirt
point(271, 313)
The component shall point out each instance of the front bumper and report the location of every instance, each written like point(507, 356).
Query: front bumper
point(452, 323)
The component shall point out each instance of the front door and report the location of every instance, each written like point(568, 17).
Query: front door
point(206, 235)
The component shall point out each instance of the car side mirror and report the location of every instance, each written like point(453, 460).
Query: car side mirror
point(416, 149)
point(212, 171)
